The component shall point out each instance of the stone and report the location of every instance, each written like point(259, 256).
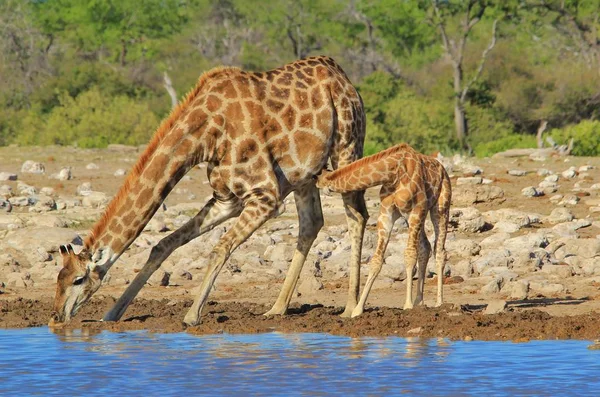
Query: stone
point(560, 215)
point(568, 229)
point(531, 191)
point(394, 268)
point(543, 172)
point(495, 307)
point(472, 180)
point(462, 268)
point(160, 278)
point(495, 240)
point(5, 205)
point(492, 287)
point(47, 238)
point(63, 175)
point(309, 284)
point(47, 191)
point(95, 200)
point(33, 167)
point(92, 166)
point(279, 252)
point(18, 280)
point(519, 289)
point(498, 257)
point(527, 242)
point(506, 227)
point(471, 194)
point(463, 248)
point(48, 221)
point(25, 189)
point(522, 219)
point(586, 248)
point(467, 219)
point(517, 172)
point(545, 288)
point(569, 199)
point(570, 173)
point(8, 176)
point(562, 271)
point(551, 178)
point(44, 203)
point(120, 172)
point(156, 226)
point(585, 168)
point(84, 189)
point(22, 201)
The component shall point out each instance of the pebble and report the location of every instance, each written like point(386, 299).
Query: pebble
point(470, 180)
point(33, 167)
point(517, 172)
point(8, 176)
point(531, 191)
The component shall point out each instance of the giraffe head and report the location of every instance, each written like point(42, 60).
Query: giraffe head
point(77, 281)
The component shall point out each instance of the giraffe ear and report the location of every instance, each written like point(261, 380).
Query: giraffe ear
point(63, 250)
point(70, 249)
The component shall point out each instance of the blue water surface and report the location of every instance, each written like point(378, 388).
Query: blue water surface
point(36, 361)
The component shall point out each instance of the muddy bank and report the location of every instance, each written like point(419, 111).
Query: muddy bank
point(448, 321)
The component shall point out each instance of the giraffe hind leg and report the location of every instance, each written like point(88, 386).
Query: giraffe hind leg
point(422, 259)
point(310, 216)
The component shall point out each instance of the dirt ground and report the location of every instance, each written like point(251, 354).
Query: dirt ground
point(238, 308)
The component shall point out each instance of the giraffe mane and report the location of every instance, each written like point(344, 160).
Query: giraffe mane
point(340, 172)
point(165, 126)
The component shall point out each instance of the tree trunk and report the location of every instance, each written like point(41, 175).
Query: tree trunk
point(460, 119)
point(170, 90)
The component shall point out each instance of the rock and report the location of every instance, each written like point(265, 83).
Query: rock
point(569, 199)
point(25, 189)
point(472, 180)
point(18, 280)
point(517, 172)
point(84, 189)
point(44, 203)
point(47, 238)
point(551, 178)
point(589, 267)
point(181, 220)
point(463, 248)
point(394, 268)
point(585, 168)
point(5, 205)
point(95, 200)
point(545, 288)
point(585, 248)
point(519, 289)
point(47, 191)
point(63, 175)
point(568, 229)
point(570, 173)
point(22, 201)
point(160, 278)
point(562, 271)
point(116, 147)
point(8, 176)
point(495, 240)
point(91, 166)
point(526, 242)
point(471, 194)
point(520, 218)
point(120, 172)
point(560, 215)
point(279, 252)
point(32, 167)
point(468, 169)
point(156, 226)
point(531, 191)
point(495, 307)
point(309, 285)
point(543, 172)
point(467, 219)
point(492, 287)
point(462, 268)
point(498, 257)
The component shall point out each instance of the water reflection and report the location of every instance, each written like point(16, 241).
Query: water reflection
point(61, 361)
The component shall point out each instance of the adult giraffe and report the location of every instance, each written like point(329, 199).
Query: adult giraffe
point(263, 136)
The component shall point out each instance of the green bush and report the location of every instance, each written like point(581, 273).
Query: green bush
point(92, 119)
point(586, 136)
point(512, 141)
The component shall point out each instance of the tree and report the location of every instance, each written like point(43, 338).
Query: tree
point(469, 14)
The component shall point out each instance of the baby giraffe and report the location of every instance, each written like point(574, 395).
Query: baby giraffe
point(412, 185)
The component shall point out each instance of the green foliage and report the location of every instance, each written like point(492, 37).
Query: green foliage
point(92, 119)
point(512, 141)
point(586, 136)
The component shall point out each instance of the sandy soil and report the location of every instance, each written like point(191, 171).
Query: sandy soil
point(238, 307)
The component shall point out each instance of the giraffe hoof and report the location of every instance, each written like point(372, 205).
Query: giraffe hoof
point(347, 313)
point(275, 312)
point(356, 313)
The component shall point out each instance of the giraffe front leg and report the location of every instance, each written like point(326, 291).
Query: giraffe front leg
point(310, 216)
point(356, 216)
point(387, 216)
point(255, 213)
point(416, 222)
point(213, 213)
point(422, 258)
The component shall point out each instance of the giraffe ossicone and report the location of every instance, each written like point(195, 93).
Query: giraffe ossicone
point(412, 185)
point(263, 136)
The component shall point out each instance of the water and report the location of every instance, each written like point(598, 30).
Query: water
point(36, 361)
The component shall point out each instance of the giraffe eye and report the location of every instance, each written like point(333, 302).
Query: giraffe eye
point(78, 280)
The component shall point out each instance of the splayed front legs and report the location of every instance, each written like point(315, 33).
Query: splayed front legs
point(213, 213)
point(308, 204)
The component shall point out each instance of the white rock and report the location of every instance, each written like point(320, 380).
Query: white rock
point(47, 191)
point(562, 271)
point(84, 189)
point(495, 240)
point(570, 173)
point(517, 172)
point(463, 248)
point(8, 176)
point(519, 289)
point(559, 215)
point(467, 219)
point(569, 199)
point(492, 287)
point(5, 205)
point(120, 172)
point(551, 178)
point(471, 180)
point(309, 284)
point(33, 167)
point(543, 172)
point(22, 201)
point(91, 166)
point(585, 168)
point(495, 307)
point(546, 289)
point(25, 189)
point(279, 252)
point(586, 248)
point(526, 242)
point(63, 175)
point(531, 191)
point(95, 200)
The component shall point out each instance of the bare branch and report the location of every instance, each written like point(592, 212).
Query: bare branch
point(445, 40)
point(168, 84)
point(484, 56)
point(540, 131)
